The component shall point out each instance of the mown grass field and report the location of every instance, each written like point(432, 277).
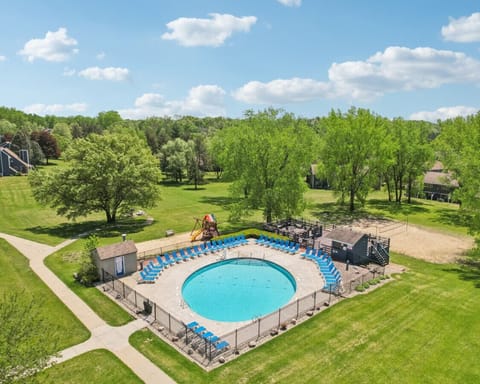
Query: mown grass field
point(422, 327)
point(16, 276)
point(98, 366)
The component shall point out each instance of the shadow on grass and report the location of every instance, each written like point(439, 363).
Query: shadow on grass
point(221, 201)
point(468, 270)
point(71, 230)
point(193, 189)
point(451, 217)
point(336, 213)
point(393, 208)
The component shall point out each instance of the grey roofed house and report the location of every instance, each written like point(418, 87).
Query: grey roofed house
point(438, 184)
point(117, 259)
point(11, 163)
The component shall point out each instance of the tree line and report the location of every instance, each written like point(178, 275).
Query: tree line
point(267, 154)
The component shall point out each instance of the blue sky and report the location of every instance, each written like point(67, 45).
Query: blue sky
point(413, 59)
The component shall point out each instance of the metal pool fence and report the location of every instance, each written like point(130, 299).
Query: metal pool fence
point(241, 338)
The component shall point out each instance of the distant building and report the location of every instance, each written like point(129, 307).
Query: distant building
point(314, 180)
point(11, 164)
point(439, 184)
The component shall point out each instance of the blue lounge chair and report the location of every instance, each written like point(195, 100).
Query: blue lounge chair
point(177, 258)
point(207, 335)
point(221, 345)
point(191, 253)
point(164, 264)
point(199, 330)
point(169, 260)
point(146, 278)
point(183, 255)
point(198, 251)
point(154, 267)
point(214, 339)
point(192, 325)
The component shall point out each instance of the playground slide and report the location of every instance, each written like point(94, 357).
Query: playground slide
point(195, 234)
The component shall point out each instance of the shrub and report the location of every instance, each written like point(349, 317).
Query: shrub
point(360, 288)
point(366, 285)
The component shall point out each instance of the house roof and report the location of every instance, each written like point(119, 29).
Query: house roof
point(115, 250)
point(439, 178)
point(346, 236)
point(12, 154)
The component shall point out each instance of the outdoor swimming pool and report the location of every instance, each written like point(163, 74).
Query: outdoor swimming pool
point(238, 289)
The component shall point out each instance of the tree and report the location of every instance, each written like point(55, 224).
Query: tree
point(47, 143)
point(353, 152)
point(27, 341)
point(196, 159)
point(88, 272)
point(267, 156)
point(457, 146)
point(109, 174)
point(63, 135)
point(174, 158)
point(107, 119)
point(411, 155)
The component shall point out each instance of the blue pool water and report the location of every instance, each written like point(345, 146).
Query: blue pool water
point(238, 289)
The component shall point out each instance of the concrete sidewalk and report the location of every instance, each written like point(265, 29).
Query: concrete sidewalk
point(115, 339)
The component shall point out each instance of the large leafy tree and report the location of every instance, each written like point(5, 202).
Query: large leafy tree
point(267, 156)
point(353, 152)
point(173, 158)
point(458, 147)
point(48, 144)
point(410, 155)
point(110, 174)
point(197, 158)
point(27, 341)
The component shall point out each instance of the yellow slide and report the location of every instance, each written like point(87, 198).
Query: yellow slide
point(196, 234)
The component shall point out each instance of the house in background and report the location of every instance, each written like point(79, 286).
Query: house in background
point(12, 164)
point(439, 184)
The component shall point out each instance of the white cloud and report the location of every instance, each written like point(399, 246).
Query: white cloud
point(282, 91)
point(56, 46)
point(55, 109)
point(192, 32)
point(444, 113)
point(291, 3)
point(465, 29)
point(394, 70)
point(3, 58)
point(203, 100)
point(402, 69)
point(109, 73)
point(101, 56)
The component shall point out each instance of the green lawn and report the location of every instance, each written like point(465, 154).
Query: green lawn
point(440, 216)
point(16, 276)
point(20, 215)
point(64, 263)
point(98, 366)
point(421, 327)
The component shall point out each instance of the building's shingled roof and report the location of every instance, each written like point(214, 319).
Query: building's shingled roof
point(346, 236)
point(439, 178)
point(118, 249)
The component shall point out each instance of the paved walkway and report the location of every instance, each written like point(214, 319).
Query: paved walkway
point(115, 339)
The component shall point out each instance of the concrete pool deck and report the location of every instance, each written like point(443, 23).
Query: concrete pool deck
point(167, 290)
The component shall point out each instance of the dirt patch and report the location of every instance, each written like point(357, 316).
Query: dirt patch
point(419, 242)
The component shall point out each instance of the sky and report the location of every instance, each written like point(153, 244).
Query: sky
point(412, 59)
